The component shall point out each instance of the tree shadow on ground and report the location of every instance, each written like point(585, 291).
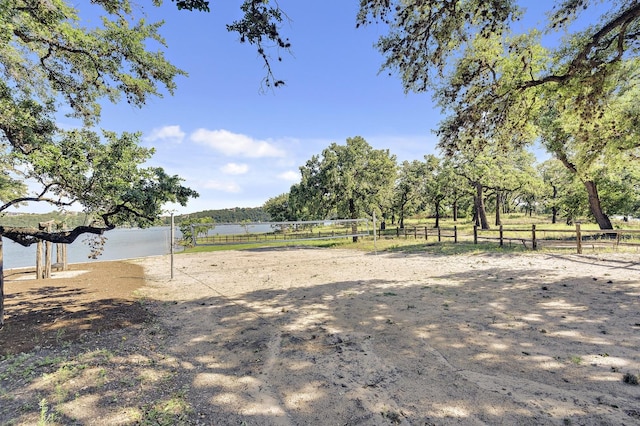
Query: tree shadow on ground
point(490, 345)
point(526, 346)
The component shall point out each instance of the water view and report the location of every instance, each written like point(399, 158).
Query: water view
point(122, 243)
point(125, 243)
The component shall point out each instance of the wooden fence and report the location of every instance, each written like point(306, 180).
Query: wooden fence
point(532, 238)
point(422, 232)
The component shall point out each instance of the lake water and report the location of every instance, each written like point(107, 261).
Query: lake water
point(121, 244)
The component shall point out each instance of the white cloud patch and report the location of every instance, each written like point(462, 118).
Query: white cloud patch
point(234, 144)
point(290, 176)
point(216, 185)
point(235, 169)
point(166, 133)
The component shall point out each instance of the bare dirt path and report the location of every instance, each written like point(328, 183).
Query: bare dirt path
point(313, 336)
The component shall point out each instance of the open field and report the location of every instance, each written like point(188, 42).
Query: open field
point(301, 336)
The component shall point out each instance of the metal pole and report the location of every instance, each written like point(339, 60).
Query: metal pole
point(171, 243)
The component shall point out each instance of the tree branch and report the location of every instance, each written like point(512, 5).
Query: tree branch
point(29, 236)
point(582, 61)
point(38, 198)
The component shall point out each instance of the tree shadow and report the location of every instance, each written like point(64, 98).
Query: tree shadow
point(42, 323)
point(492, 345)
point(383, 351)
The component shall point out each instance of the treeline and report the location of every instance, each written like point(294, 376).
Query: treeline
point(354, 180)
point(31, 220)
point(73, 219)
point(233, 215)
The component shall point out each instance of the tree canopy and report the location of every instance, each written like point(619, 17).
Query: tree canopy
point(494, 82)
point(52, 64)
point(346, 182)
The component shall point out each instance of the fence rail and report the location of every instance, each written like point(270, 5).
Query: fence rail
point(532, 238)
point(279, 232)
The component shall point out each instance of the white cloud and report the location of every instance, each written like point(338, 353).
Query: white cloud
point(290, 176)
point(235, 144)
point(235, 169)
point(166, 133)
point(216, 185)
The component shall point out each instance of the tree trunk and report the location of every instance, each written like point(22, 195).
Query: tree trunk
point(498, 219)
point(455, 210)
point(437, 215)
point(554, 209)
point(595, 206)
point(480, 210)
point(354, 226)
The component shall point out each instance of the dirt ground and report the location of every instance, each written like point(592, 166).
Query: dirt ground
point(87, 298)
point(293, 336)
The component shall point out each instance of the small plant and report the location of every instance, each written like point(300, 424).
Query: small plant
point(45, 417)
point(577, 360)
point(630, 379)
point(170, 412)
point(60, 335)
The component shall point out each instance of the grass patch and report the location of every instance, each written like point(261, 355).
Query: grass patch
point(173, 411)
point(577, 360)
point(341, 243)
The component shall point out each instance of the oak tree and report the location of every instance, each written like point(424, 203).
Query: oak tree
point(346, 181)
point(52, 64)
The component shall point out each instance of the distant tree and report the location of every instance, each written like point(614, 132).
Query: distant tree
point(345, 181)
point(279, 209)
point(494, 170)
point(617, 180)
point(444, 186)
point(556, 178)
point(195, 227)
point(410, 189)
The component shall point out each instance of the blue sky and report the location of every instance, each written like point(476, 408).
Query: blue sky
point(238, 144)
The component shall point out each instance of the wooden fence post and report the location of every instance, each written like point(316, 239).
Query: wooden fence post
point(475, 234)
point(455, 233)
point(501, 236)
point(397, 232)
point(534, 242)
point(578, 239)
point(39, 266)
point(426, 233)
point(48, 249)
point(439, 235)
point(415, 232)
point(61, 256)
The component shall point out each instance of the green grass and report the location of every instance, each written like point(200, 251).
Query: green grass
point(517, 227)
point(338, 242)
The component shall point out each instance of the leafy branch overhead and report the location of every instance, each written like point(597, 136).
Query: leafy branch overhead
point(486, 75)
point(259, 26)
point(51, 63)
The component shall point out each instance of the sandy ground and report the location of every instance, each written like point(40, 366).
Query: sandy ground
point(290, 336)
